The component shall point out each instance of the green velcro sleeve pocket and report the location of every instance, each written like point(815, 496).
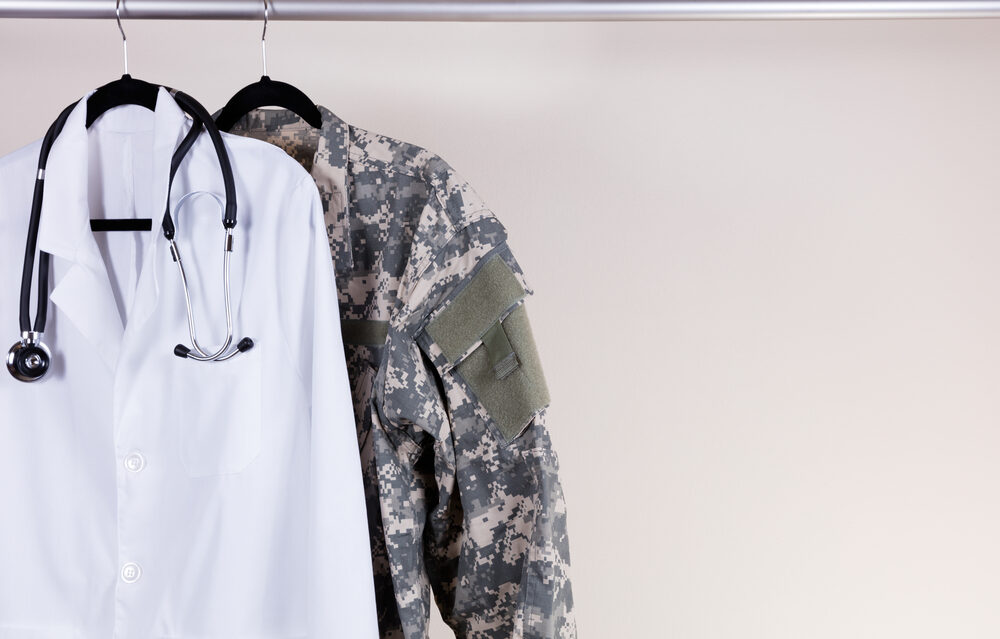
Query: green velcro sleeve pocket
point(491, 292)
point(502, 358)
point(511, 399)
point(492, 348)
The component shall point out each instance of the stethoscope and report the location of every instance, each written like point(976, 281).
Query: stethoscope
point(29, 359)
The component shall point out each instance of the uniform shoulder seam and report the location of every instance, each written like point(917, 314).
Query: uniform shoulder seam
point(397, 163)
point(416, 161)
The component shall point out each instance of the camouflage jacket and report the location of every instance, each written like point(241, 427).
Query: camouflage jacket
point(462, 483)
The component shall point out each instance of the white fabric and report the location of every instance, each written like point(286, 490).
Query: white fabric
point(146, 496)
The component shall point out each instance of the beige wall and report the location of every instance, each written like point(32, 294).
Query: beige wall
point(766, 262)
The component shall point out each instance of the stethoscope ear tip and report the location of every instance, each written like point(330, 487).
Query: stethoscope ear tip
point(243, 346)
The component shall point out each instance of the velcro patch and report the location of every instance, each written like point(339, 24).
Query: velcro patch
point(511, 392)
point(491, 292)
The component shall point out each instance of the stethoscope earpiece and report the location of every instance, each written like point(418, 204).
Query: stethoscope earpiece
point(243, 346)
point(29, 359)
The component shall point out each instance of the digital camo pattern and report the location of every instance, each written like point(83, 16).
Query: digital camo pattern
point(453, 509)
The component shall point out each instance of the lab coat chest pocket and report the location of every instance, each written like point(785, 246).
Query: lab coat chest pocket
point(219, 413)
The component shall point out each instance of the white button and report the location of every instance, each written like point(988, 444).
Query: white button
point(135, 462)
point(131, 573)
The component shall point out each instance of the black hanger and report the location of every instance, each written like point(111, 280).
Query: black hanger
point(126, 90)
point(268, 92)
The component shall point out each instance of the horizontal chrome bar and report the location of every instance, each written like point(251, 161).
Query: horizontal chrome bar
point(511, 10)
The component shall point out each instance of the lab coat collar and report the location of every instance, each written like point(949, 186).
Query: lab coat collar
point(84, 294)
point(329, 168)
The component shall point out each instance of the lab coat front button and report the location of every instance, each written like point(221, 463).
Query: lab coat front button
point(135, 462)
point(131, 572)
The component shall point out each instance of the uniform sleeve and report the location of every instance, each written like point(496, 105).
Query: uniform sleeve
point(340, 576)
point(466, 399)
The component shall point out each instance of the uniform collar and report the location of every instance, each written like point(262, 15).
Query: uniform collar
point(84, 292)
point(327, 163)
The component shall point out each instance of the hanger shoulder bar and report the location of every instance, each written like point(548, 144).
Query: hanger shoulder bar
point(511, 10)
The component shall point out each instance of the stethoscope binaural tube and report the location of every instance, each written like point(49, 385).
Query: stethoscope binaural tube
point(29, 359)
point(202, 116)
point(199, 353)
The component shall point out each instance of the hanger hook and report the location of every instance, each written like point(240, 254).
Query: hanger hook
point(118, 18)
point(263, 42)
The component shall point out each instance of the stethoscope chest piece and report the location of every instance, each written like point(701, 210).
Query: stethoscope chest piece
point(28, 360)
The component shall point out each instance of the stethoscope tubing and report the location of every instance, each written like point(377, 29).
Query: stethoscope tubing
point(41, 302)
point(202, 355)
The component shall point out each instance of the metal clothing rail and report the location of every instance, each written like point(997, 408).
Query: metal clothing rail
point(511, 10)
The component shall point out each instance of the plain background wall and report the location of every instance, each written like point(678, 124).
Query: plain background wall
point(765, 258)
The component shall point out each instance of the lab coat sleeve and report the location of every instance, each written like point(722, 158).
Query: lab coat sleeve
point(465, 458)
point(342, 602)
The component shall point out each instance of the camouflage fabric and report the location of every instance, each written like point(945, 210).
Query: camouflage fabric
point(456, 507)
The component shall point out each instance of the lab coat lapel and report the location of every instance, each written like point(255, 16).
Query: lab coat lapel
point(84, 294)
point(170, 125)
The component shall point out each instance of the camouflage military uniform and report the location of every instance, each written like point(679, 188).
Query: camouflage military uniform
point(462, 484)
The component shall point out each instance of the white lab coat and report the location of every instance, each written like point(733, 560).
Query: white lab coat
point(147, 496)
